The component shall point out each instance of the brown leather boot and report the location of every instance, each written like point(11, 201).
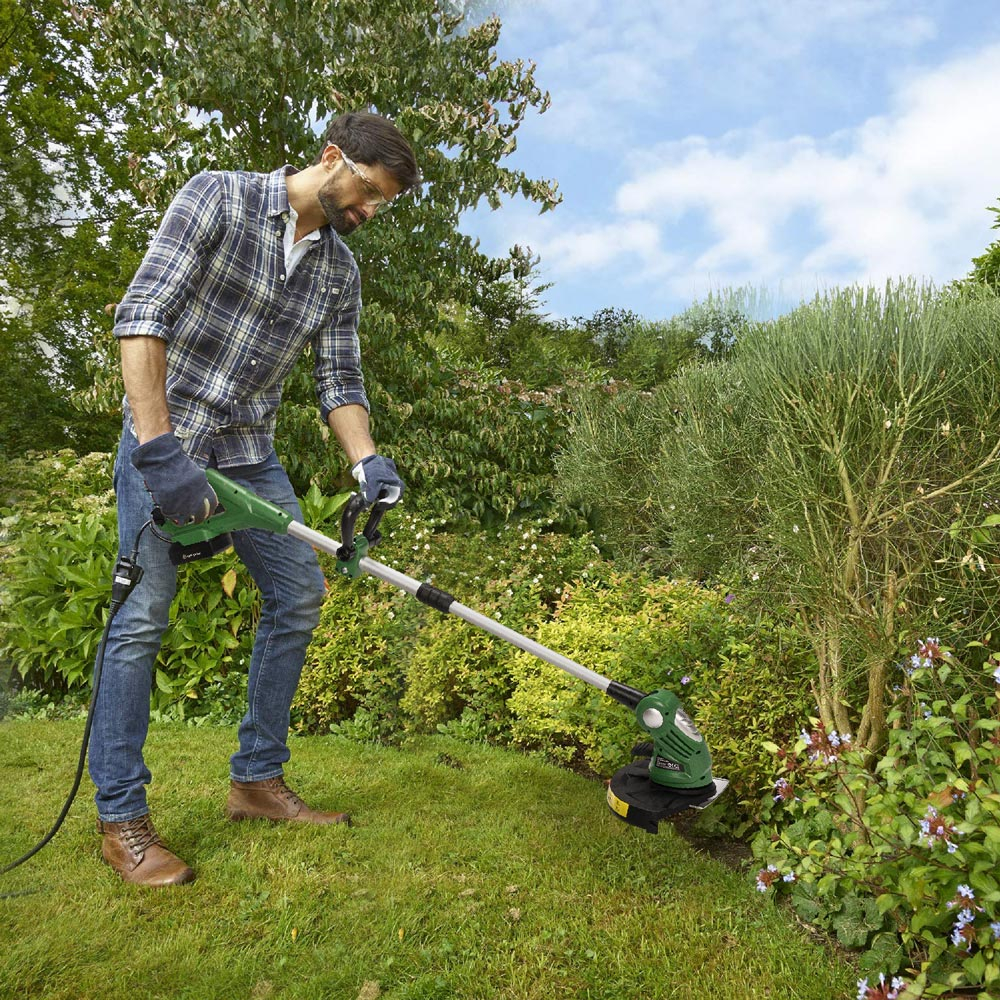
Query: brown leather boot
point(134, 850)
point(272, 799)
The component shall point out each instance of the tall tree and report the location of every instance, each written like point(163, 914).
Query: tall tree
point(249, 84)
point(256, 79)
point(65, 190)
point(114, 103)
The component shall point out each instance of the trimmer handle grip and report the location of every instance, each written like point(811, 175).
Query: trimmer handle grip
point(353, 509)
point(238, 508)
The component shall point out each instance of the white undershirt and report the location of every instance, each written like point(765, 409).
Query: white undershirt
point(294, 252)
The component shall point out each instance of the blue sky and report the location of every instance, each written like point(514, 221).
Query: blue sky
point(787, 146)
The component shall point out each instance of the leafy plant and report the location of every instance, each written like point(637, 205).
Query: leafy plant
point(898, 856)
point(59, 544)
point(382, 664)
point(741, 682)
point(355, 664)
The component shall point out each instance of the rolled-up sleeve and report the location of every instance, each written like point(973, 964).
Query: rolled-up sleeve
point(339, 380)
point(175, 261)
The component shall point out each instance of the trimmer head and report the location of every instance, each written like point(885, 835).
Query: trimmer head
point(672, 772)
point(635, 798)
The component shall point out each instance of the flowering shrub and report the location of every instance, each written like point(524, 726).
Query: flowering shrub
point(898, 856)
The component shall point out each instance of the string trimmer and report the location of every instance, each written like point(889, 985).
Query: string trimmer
point(669, 773)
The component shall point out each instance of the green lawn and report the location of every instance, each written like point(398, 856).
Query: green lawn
point(470, 873)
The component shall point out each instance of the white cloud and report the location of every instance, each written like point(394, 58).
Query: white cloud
point(590, 248)
point(902, 194)
point(602, 61)
point(742, 142)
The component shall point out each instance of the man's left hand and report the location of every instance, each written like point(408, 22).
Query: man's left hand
point(378, 480)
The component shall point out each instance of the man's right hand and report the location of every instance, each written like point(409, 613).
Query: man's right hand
point(177, 485)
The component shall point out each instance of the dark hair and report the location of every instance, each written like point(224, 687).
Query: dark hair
point(373, 139)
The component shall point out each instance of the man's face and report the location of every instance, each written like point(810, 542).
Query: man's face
point(350, 197)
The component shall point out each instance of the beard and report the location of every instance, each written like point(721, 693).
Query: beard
point(335, 212)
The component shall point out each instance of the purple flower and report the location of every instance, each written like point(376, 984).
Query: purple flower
point(882, 990)
point(824, 746)
point(766, 877)
point(783, 790)
point(930, 650)
point(927, 652)
point(963, 932)
point(935, 829)
point(729, 598)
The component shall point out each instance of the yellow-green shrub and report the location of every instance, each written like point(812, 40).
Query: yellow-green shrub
point(742, 685)
point(357, 658)
point(384, 662)
point(453, 667)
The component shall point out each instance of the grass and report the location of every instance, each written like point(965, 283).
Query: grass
point(470, 873)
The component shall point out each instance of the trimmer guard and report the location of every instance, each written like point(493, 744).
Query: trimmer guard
point(636, 799)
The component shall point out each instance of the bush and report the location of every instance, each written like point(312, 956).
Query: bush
point(898, 856)
point(845, 454)
point(468, 447)
point(56, 555)
point(388, 664)
point(742, 684)
point(59, 546)
point(606, 468)
point(356, 661)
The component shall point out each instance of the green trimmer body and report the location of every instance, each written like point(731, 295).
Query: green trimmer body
point(670, 772)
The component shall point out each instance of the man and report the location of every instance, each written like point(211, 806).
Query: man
point(245, 270)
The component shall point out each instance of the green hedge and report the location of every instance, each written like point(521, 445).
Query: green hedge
point(844, 459)
point(383, 665)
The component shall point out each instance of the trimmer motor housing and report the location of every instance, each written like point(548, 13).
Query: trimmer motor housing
point(672, 771)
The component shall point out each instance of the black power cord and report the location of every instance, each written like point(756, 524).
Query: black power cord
point(125, 579)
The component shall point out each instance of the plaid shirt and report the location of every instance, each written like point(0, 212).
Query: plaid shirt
point(213, 286)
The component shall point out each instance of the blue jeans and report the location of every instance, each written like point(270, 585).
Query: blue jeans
point(291, 583)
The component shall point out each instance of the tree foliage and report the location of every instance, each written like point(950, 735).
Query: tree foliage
point(67, 221)
point(114, 105)
point(986, 267)
point(243, 84)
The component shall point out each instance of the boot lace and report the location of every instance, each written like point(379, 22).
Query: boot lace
point(140, 834)
point(278, 786)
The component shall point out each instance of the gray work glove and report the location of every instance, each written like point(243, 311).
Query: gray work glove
point(177, 485)
point(378, 480)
